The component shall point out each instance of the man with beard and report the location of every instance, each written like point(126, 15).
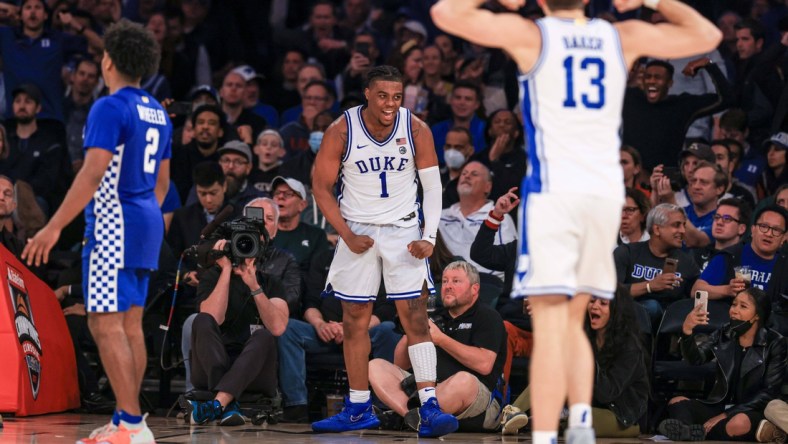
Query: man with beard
point(235, 158)
point(661, 144)
point(207, 121)
point(460, 222)
point(76, 106)
point(639, 265)
point(36, 150)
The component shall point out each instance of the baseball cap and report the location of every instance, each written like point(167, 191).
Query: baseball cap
point(294, 185)
point(416, 27)
point(700, 150)
point(248, 73)
point(779, 139)
point(204, 89)
point(238, 147)
point(29, 89)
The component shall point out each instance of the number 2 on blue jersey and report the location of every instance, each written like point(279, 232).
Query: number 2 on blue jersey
point(152, 137)
point(586, 64)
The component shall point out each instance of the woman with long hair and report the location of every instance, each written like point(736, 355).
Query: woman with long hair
point(750, 361)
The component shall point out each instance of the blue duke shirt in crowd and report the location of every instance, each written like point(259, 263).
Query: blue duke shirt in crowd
point(703, 223)
point(38, 61)
point(124, 223)
point(716, 272)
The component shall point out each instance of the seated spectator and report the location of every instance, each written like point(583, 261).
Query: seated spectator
point(322, 38)
point(750, 365)
point(241, 312)
point(632, 165)
point(621, 385)
point(301, 239)
point(706, 185)
point(76, 106)
point(730, 224)
point(692, 154)
point(775, 173)
point(207, 122)
point(639, 265)
point(464, 101)
point(457, 150)
point(460, 223)
point(363, 55)
point(299, 167)
point(781, 196)
point(725, 159)
point(471, 349)
point(308, 72)
point(504, 155)
point(285, 94)
point(734, 125)
point(633, 218)
point(37, 150)
point(235, 158)
point(318, 97)
point(761, 256)
point(320, 331)
point(252, 93)
point(269, 149)
point(242, 120)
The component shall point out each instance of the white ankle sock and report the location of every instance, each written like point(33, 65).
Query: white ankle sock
point(544, 437)
point(580, 416)
point(359, 396)
point(426, 393)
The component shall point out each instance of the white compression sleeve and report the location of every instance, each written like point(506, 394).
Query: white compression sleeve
point(433, 201)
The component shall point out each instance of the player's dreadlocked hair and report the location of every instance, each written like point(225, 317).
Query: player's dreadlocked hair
point(384, 73)
point(133, 49)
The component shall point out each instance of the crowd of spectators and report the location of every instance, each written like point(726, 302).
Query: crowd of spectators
point(251, 86)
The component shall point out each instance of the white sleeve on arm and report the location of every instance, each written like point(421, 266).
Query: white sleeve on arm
point(433, 201)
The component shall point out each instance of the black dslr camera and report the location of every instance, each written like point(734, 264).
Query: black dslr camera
point(244, 236)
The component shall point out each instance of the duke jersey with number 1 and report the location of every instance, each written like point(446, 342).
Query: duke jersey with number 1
point(377, 179)
point(572, 101)
point(124, 226)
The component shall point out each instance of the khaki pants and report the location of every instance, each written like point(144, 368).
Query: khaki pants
point(777, 412)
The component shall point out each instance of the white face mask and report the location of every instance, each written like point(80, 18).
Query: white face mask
point(315, 138)
point(454, 159)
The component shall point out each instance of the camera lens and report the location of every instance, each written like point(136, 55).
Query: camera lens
point(245, 245)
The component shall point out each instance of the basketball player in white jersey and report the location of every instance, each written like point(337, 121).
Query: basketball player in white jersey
point(572, 89)
point(377, 153)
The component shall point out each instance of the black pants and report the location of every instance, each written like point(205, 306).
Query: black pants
point(80, 334)
point(695, 412)
point(213, 369)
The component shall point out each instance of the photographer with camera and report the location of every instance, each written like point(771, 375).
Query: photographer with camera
point(242, 310)
point(471, 350)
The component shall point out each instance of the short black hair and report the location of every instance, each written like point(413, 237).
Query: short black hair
point(745, 212)
point(133, 49)
point(734, 118)
point(663, 64)
point(207, 107)
point(386, 73)
point(774, 208)
point(723, 143)
point(207, 173)
point(756, 28)
point(557, 5)
point(468, 85)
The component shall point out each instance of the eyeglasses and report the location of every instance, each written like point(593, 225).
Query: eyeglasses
point(726, 219)
point(233, 162)
point(284, 193)
point(630, 210)
point(764, 228)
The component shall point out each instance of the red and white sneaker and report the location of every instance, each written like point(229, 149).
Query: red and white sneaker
point(112, 434)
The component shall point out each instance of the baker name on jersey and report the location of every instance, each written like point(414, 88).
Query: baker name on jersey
point(386, 163)
point(151, 115)
point(583, 42)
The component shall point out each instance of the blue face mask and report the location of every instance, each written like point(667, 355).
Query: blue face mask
point(315, 138)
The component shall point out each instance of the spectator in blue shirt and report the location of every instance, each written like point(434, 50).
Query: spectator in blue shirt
point(464, 101)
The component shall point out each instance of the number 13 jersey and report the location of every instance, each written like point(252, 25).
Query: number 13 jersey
point(377, 179)
point(572, 100)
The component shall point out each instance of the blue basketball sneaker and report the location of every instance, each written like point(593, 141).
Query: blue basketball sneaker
point(202, 412)
point(434, 423)
point(352, 417)
point(231, 415)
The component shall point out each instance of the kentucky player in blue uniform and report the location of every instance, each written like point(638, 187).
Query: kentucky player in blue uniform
point(121, 186)
point(572, 90)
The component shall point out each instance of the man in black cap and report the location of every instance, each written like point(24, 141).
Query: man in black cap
point(36, 150)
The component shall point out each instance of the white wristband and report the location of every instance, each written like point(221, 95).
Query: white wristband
point(651, 4)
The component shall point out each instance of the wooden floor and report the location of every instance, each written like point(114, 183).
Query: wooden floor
point(67, 428)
